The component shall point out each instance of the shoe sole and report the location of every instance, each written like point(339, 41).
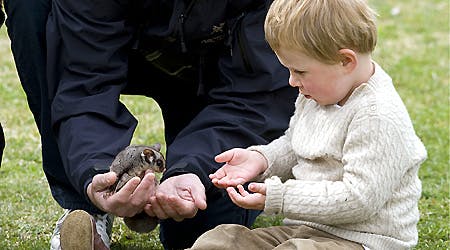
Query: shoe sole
point(77, 231)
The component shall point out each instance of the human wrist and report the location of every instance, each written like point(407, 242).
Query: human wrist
point(89, 193)
point(262, 161)
point(91, 196)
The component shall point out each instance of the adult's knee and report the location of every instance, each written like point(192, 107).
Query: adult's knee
point(25, 14)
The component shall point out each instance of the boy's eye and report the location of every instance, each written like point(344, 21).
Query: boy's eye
point(299, 72)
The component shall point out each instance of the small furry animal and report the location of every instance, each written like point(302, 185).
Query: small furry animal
point(133, 161)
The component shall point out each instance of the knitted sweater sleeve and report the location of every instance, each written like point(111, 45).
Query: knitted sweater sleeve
point(378, 154)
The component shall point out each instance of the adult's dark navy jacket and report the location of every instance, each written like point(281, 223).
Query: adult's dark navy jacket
point(205, 62)
point(2, 135)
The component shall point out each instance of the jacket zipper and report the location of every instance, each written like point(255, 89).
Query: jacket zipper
point(182, 19)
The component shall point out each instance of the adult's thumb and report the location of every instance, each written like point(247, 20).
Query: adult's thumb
point(102, 181)
point(199, 196)
point(200, 202)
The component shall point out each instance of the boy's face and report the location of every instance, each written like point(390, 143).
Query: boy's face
point(324, 83)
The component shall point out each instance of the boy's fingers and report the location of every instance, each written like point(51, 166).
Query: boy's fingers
point(218, 174)
point(223, 157)
point(235, 182)
point(257, 188)
point(233, 195)
point(242, 190)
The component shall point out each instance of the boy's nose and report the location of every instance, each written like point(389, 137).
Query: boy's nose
point(295, 82)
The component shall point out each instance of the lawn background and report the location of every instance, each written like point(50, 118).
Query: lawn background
point(413, 47)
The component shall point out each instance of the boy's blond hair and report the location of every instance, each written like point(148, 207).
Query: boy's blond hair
point(320, 28)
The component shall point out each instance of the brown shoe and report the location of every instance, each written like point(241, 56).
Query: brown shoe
point(78, 230)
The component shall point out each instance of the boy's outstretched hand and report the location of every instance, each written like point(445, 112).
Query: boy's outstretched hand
point(241, 166)
point(244, 199)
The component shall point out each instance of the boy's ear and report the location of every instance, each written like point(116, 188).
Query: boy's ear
point(349, 59)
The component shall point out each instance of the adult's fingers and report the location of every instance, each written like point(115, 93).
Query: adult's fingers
point(149, 210)
point(146, 188)
point(174, 206)
point(127, 190)
point(156, 209)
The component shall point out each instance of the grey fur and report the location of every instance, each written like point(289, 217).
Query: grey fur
point(133, 161)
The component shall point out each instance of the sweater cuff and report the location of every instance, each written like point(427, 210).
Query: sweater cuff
point(261, 177)
point(274, 196)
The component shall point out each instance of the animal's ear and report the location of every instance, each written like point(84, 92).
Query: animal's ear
point(157, 146)
point(148, 152)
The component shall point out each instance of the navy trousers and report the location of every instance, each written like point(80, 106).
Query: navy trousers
point(26, 21)
point(2, 143)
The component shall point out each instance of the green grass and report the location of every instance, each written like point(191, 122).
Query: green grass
point(413, 47)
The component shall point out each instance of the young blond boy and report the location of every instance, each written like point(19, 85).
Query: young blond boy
point(345, 172)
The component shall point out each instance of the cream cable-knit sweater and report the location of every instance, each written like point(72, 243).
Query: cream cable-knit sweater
point(350, 171)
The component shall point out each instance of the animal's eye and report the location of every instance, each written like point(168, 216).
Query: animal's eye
point(159, 163)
